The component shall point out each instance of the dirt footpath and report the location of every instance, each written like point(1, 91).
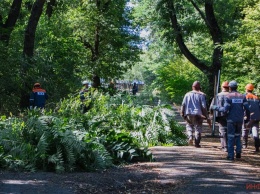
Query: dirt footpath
point(176, 170)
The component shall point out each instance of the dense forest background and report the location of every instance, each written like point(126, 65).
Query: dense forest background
point(168, 44)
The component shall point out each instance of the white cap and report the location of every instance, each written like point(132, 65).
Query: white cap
point(85, 82)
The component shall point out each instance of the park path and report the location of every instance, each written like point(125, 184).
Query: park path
point(176, 170)
point(206, 170)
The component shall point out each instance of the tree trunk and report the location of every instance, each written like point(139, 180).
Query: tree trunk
point(94, 56)
point(50, 5)
point(211, 70)
point(7, 27)
point(28, 49)
point(96, 81)
point(31, 27)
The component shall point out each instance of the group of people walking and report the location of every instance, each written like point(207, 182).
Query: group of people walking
point(235, 113)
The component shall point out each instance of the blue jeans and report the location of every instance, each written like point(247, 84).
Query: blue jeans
point(234, 131)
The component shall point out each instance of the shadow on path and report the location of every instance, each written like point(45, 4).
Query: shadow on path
point(206, 170)
point(176, 170)
point(201, 170)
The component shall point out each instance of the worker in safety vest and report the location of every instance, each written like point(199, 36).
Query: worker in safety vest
point(38, 96)
point(252, 122)
point(235, 105)
point(221, 117)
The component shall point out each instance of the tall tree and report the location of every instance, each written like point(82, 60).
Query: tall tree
point(29, 36)
point(211, 23)
point(244, 52)
point(7, 27)
point(28, 49)
point(50, 6)
point(199, 28)
point(106, 30)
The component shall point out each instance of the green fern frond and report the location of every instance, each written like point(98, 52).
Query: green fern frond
point(42, 146)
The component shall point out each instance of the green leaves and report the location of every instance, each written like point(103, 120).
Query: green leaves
point(111, 132)
point(242, 54)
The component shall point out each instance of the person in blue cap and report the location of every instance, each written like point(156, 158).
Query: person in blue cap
point(235, 105)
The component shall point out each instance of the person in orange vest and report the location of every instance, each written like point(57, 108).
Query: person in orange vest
point(252, 122)
point(235, 106)
point(38, 96)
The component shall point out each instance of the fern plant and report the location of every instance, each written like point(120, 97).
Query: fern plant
point(115, 130)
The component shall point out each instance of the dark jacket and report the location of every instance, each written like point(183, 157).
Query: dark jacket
point(220, 100)
point(235, 105)
point(254, 106)
point(38, 97)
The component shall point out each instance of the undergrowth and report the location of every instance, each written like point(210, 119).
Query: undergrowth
point(115, 130)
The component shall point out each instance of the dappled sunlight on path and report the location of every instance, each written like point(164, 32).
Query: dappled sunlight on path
point(206, 170)
point(202, 170)
point(176, 170)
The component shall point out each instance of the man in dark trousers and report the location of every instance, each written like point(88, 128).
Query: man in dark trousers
point(221, 117)
point(194, 110)
point(85, 97)
point(38, 97)
point(235, 105)
point(252, 122)
point(135, 89)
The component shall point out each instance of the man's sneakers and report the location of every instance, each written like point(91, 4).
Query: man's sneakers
point(238, 155)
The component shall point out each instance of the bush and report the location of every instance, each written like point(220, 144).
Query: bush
point(115, 130)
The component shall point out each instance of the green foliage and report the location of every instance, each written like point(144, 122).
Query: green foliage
point(242, 61)
point(168, 78)
point(61, 55)
point(181, 74)
point(115, 130)
point(108, 35)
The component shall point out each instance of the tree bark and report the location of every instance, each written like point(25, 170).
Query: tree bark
point(28, 50)
point(94, 56)
point(7, 27)
point(212, 69)
point(102, 6)
point(50, 5)
point(31, 27)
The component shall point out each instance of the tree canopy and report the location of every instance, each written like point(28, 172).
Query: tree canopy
point(60, 43)
point(201, 31)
